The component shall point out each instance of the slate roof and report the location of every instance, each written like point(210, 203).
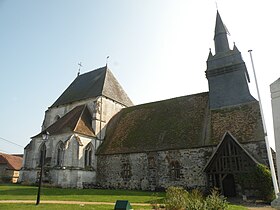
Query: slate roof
point(13, 162)
point(78, 120)
point(219, 26)
point(92, 84)
point(179, 123)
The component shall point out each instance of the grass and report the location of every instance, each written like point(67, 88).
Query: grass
point(62, 207)
point(235, 207)
point(20, 192)
point(81, 207)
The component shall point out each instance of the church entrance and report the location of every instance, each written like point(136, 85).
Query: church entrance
point(229, 186)
point(229, 160)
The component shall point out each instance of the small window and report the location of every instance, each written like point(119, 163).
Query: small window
point(88, 155)
point(126, 172)
point(175, 170)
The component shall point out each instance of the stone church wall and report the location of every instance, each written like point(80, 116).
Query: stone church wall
point(153, 170)
point(258, 151)
point(72, 171)
point(103, 110)
point(71, 178)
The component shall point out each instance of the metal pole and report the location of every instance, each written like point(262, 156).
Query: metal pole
point(40, 178)
point(271, 165)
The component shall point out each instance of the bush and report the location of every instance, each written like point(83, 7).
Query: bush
point(264, 183)
point(195, 200)
point(258, 178)
point(215, 201)
point(175, 198)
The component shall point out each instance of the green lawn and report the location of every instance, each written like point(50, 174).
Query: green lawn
point(19, 192)
point(62, 207)
point(81, 207)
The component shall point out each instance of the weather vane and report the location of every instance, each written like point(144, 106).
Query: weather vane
point(80, 66)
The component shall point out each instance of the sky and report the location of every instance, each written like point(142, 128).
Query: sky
point(158, 50)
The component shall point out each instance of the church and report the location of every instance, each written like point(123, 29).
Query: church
point(93, 135)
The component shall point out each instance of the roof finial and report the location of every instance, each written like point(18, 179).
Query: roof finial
point(216, 5)
point(107, 60)
point(79, 70)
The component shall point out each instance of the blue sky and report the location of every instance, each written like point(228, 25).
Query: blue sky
point(157, 48)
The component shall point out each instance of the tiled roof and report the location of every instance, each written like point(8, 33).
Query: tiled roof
point(170, 124)
point(179, 123)
point(78, 120)
point(92, 84)
point(13, 162)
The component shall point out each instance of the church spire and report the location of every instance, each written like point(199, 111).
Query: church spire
point(226, 72)
point(220, 38)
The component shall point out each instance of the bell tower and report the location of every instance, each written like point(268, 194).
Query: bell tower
point(226, 72)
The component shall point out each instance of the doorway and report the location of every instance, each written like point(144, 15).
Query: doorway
point(229, 186)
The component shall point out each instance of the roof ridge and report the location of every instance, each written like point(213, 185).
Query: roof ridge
point(168, 99)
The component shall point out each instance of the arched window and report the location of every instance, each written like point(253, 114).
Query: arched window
point(88, 155)
point(175, 170)
point(59, 153)
point(42, 154)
